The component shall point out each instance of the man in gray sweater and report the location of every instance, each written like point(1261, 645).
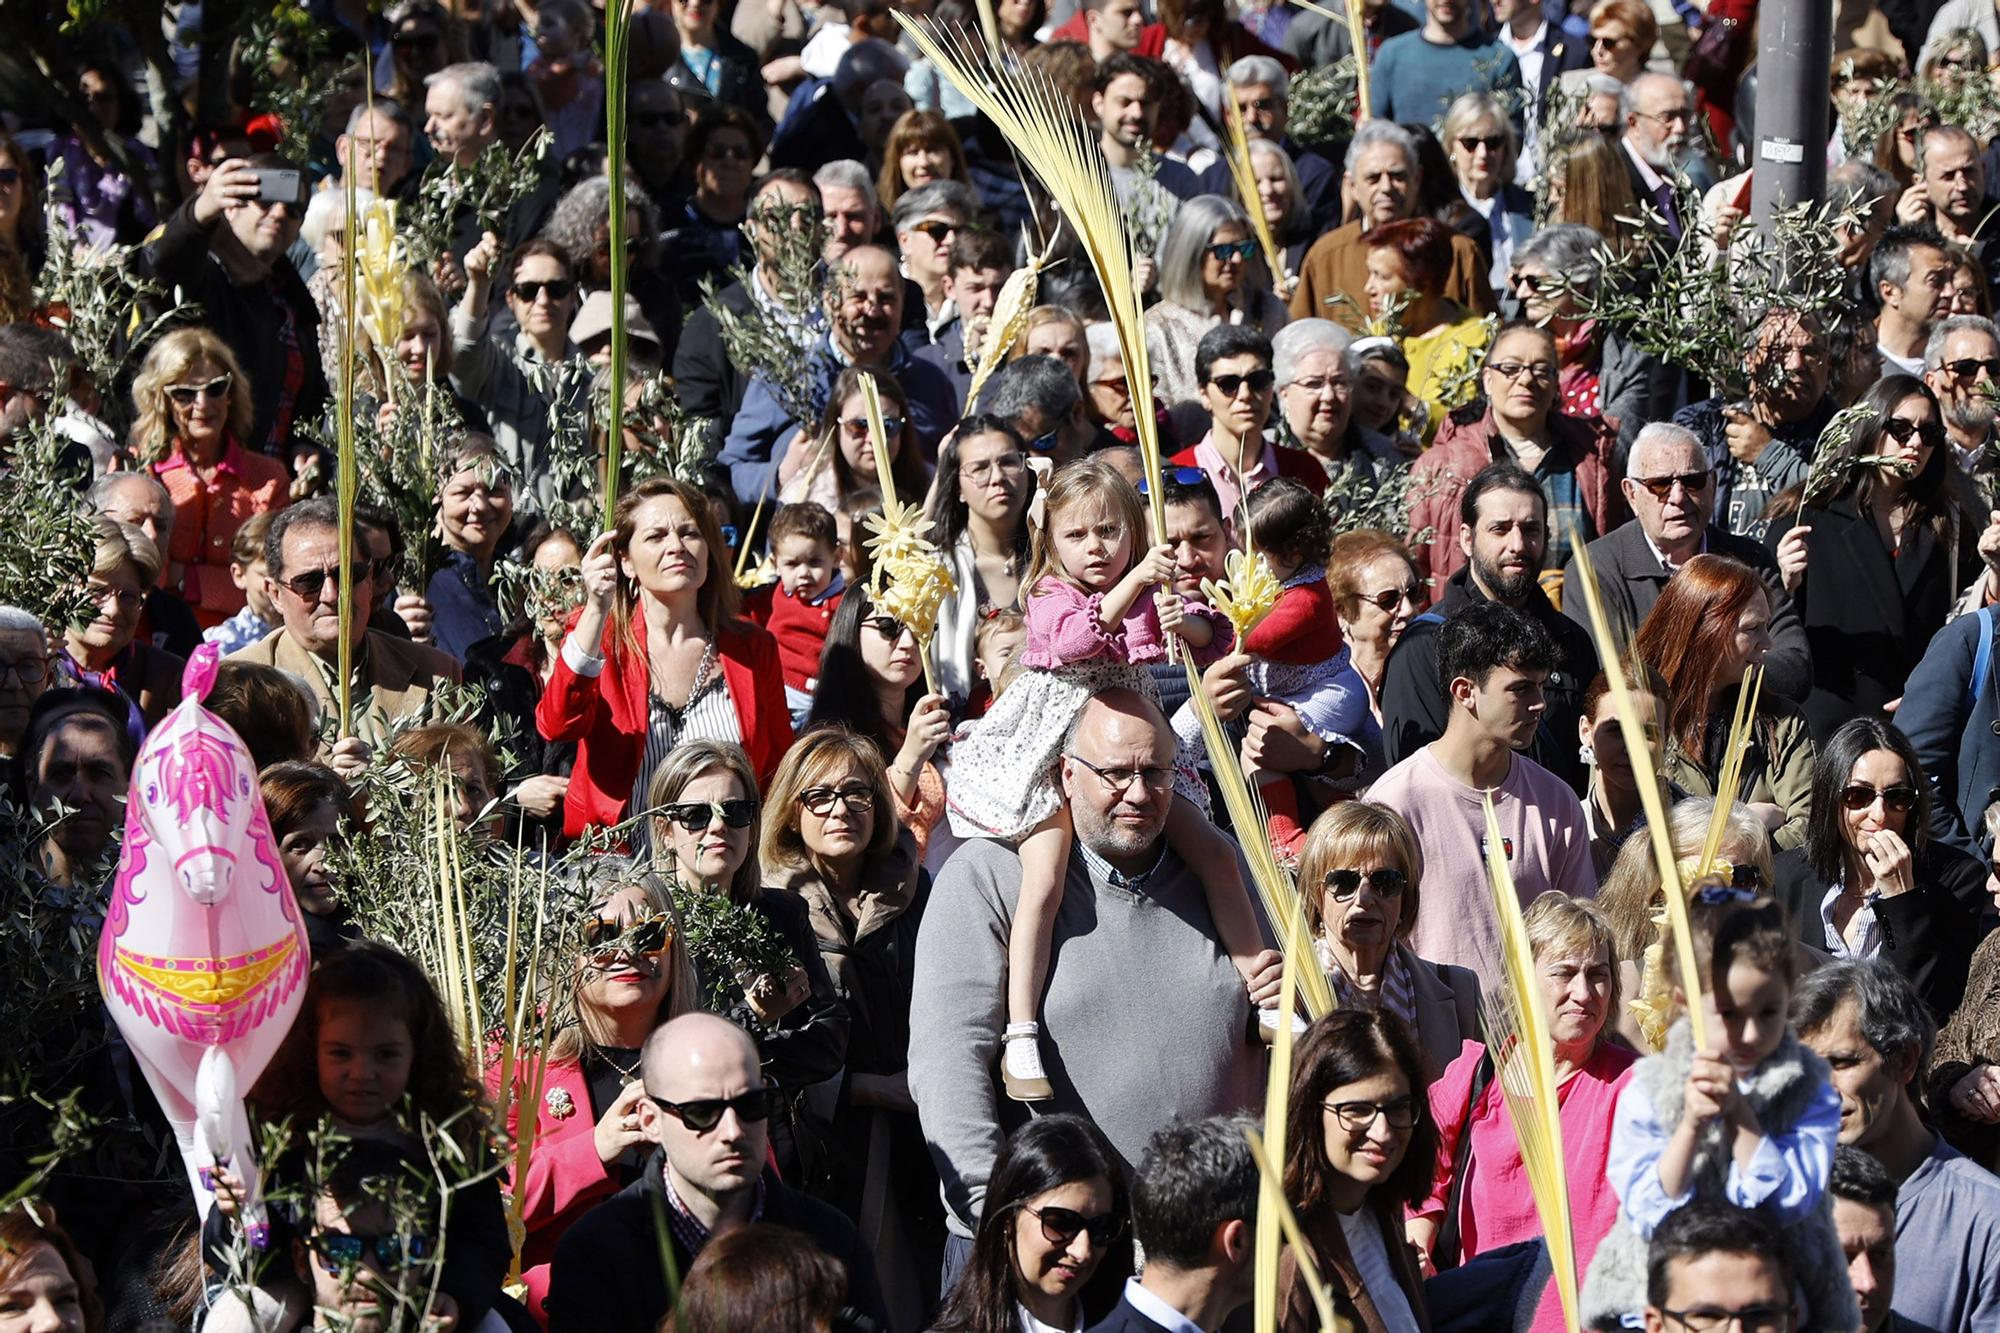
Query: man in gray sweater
point(1145, 1020)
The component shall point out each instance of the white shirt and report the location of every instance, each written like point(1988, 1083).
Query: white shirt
point(1529, 55)
point(1371, 1261)
point(1908, 365)
point(1030, 1324)
point(1864, 916)
point(1157, 1310)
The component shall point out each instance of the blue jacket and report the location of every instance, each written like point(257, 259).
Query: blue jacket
point(762, 425)
point(1959, 746)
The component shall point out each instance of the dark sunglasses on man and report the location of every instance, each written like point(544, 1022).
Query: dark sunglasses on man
point(705, 1113)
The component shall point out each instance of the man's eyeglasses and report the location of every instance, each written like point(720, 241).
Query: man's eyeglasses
point(648, 937)
point(1679, 115)
point(29, 670)
point(1224, 251)
point(858, 426)
point(1260, 381)
point(559, 289)
point(1387, 881)
point(347, 1249)
point(705, 1113)
point(1537, 372)
point(215, 389)
point(1359, 1117)
point(1390, 598)
point(1061, 1226)
point(1119, 780)
point(1902, 430)
point(308, 585)
point(1896, 800)
point(1180, 476)
point(694, 816)
point(1691, 483)
point(1714, 1319)
point(1972, 367)
point(821, 800)
point(936, 229)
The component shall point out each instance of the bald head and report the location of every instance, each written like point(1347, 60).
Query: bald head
point(691, 1046)
point(866, 304)
point(707, 1108)
point(1118, 772)
point(1658, 116)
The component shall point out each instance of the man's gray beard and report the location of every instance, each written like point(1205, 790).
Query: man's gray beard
point(1974, 416)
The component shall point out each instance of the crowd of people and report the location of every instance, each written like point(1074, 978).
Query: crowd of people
point(914, 976)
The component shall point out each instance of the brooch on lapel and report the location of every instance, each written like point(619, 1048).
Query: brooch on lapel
point(560, 1103)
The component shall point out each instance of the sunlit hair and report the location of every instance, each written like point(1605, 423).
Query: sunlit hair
point(168, 363)
point(293, 791)
point(28, 1224)
point(907, 467)
point(684, 763)
point(1352, 553)
point(1087, 481)
point(811, 762)
point(1472, 108)
point(1631, 890)
point(437, 744)
point(1560, 926)
point(1344, 1047)
point(420, 296)
point(575, 1026)
point(914, 130)
point(1727, 932)
point(122, 543)
point(270, 708)
point(1688, 633)
point(1358, 835)
point(716, 599)
point(1596, 190)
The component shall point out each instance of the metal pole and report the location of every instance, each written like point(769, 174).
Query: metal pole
point(1794, 58)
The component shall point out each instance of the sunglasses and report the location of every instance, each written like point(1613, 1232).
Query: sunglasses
point(1526, 282)
point(1390, 598)
point(1388, 882)
point(821, 800)
point(935, 230)
point(559, 289)
point(1859, 796)
point(415, 41)
point(659, 119)
point(1972, 366)
point(694, 816)
point(1605, 39)
point(1901, 430)
point(1662, 487)
point(1723, 895)
point(891, 426)
point(307, 586)
point(385, 569)
point(1061, 1226)
point(1492, 143)
point(1258, 380)
point(1225, 251)
point(10, 175)
point(705, 1113)
point(648, 937)
point(726, 152)
point(1045, 442)
point(1179, 476)
point(216, 390)
point(888, 627)
point(347, 1249)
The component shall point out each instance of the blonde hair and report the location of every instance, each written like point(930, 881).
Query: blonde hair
point(1358, 835)
point(813, 756)
point(421, 293)
point(172, 357)
point(1631, 892)
point(1085, 481)
point(1560, 924)
point(576, 1027)
point(1048, 314)
point(118, 543)
point(683, 764)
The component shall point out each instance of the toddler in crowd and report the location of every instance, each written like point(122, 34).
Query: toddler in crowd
point(1751, 1121)
point(1092, 626)
point(799, 607)
point(248, 571)
point(997, 642)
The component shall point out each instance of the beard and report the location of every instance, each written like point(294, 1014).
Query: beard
point(1500, 584)
point(1971, 416)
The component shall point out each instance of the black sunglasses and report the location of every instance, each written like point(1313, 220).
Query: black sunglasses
point(1901, 429)
point(888, 627)
point(648, 937)
point(1180, 476)
point(1662, 487)
point(705, 1113)
point(10, 175)
point(1492, 143)
point(664, 119)
point(307, 586)
point(1390, 598)
point(936, 230)
point(559, 289)
point(1859, 796)
point(1060, 1226)
point(694, 816)
point(821, 800)
point(1388, 881)
point(1258, 380)
point(347, 1249)
point(1972, 366)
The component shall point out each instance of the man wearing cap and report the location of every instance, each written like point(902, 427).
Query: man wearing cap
point(225, 250)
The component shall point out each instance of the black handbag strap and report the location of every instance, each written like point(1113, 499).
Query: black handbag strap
point(1444, 1251)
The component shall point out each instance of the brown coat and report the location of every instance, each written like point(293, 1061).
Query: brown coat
point(1351, 1301)
point(400, 676)
point(1337, 264)
point(1971, 1038)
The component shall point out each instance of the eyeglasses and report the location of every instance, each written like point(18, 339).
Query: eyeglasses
point(821, 800)
point(1537, 372)
point(888, 627)
point(727, 152)
point(1598, 39)
point(1679, 115)
point(649, 937)
point(1755, 1319)
point(1492, 143)
point(1359, 1117)
point(1971, 367)
point(1390, 598)
point(101, 593)
point(891, 426)
point(1006, 465)
point(1119, 780)
point(347, 1249)
point(308, 585)
point(1061, 1226)
point(29, 670)
point(935, 229)
point(1224, 251)
point(559, 289)
point(1259, 103)
point(1690, 483)
point(216, 389)
point(694, 816)
point(1387, 881)
point(1859, 796)
point(1259, 381)
point(1180, 476)
point(1526, 282)
point(705, 1113)
point(1902, 430)
point(1322, 383)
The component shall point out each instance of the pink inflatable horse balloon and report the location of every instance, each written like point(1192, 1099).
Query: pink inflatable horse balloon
point(203, 959)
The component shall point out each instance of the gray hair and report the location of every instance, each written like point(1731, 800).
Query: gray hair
point(329, 207)
point(1568, 248)
point(866, 62)
point(1040, 382)
point(1105, 351)
point(1660, 433)
point(382, 106)
point(1270, 148)
point(1196, 1175)
point(1891, 1015)
point(1187, 236)
point(1253, 70)
point(1941, 334)
point(1932, 133)
point(478, 83)
point(573, 225)
point(1991, 819)
point(1303, 336)
point(936, 197)
point(1858, 182)
point(107, 486)
point(846, 174)
point(14, 620)
point(1375, 133)
point(1603, 85)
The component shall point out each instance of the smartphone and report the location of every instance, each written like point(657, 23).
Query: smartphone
point(278, 185)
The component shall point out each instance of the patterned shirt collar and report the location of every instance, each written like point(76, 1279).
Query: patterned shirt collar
point(687, 1229)
point(1116, 878)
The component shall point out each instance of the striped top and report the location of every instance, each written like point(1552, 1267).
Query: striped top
point(708, 715)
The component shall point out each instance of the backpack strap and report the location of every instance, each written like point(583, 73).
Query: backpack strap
point(1982, 659)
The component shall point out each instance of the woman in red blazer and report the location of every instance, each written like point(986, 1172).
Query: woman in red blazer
point(656, 655)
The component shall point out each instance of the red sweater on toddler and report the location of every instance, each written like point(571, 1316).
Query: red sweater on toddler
point(799, 626)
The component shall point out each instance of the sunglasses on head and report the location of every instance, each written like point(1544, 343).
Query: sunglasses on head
point(694, 816)
point(1390, 598)
point(1180, 476)
point(891, 426)
point(215, 389)
point(1662, 487)
point(1387, 881)
point(705, 1113)
point(1061, 1226)
point(1258, 380)
point(559, 289)
point(649, 936)
point(347, 1249)
point(1902, 430)
point(1896, 800)
point(1224, 251)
